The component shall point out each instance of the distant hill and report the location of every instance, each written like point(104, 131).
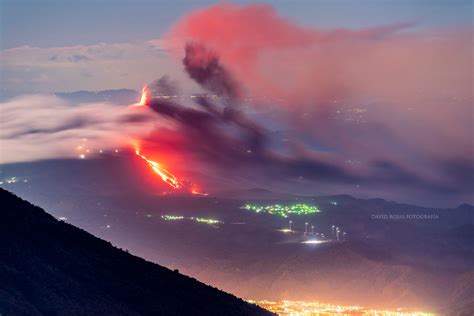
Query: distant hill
point(119, 96)
point(48, 267)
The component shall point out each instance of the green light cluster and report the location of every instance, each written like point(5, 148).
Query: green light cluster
point(283, 210)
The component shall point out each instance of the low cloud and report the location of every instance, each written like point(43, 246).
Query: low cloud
point(45, 127)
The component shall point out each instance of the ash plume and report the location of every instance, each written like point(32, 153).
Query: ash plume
point(163, 86)
point(223, 137)
point(203, 66)
point(337, 101)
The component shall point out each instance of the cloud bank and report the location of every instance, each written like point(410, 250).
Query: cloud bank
point(40, 127)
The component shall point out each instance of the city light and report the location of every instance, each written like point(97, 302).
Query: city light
point(283, 210)
point(209, 221)
point(314, 241)
point(172, 217)
point(299, 308)
point(11, 180)
point(206, 220)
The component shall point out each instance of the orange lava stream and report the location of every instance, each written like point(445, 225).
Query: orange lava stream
point(165, 175)
point(144, 97)
point(195, 192)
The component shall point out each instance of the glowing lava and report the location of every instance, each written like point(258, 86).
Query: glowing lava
point(143, 98)
point(165, 175)
point(196, 192)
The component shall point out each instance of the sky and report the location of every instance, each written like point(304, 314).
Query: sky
point(52, 24)
point(370, 98)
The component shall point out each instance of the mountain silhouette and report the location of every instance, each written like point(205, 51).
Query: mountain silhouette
point(49, 267)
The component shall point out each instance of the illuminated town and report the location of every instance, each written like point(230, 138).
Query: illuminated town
point(172, 217)
point(300, 308)
point(12, 180)
point(209, 221)
point(283, 210)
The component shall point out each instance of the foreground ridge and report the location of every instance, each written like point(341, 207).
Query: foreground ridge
point(49, 267)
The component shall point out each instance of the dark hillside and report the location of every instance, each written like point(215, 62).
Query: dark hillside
point(48, 267)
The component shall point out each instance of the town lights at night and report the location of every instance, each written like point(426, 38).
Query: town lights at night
point(172, 217)
point(300, 308)
point(314, 241)
point(283, 210)
point(209, 221)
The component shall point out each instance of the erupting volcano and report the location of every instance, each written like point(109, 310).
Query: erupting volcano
point(164, 174)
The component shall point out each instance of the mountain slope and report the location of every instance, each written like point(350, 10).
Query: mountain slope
point(48, 267)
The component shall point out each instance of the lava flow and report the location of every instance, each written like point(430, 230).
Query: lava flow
point(168, 177)
point(143, 98)
point(196, 192)
point(165, 175)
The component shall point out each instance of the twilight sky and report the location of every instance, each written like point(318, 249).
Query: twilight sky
point(373, 100)
point(115, 37)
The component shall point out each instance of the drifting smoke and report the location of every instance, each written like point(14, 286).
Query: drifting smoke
point(270, 56)
point(46, 127)
point(204, 67)
point(394, 74)
point(337, 98)
point(223, 137)
point(163, 86)
point(230, 143)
